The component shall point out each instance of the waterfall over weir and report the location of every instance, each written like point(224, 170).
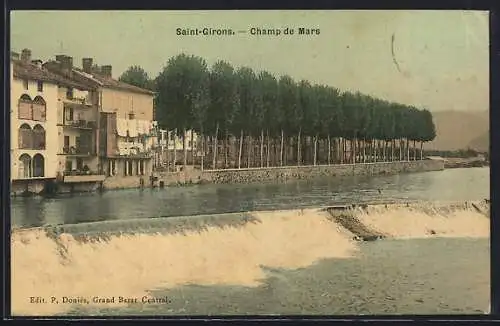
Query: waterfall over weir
point(129, 258)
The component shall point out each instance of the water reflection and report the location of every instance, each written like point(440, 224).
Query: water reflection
point(456, 184)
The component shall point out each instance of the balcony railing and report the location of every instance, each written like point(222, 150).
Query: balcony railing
point(80, 172)
point(70, 98)
point(81, 124)
point(135, 154)
point(81, 150)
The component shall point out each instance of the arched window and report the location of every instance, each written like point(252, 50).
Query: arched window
point(25, 111)
point(25, 136)
point(24, 166)
point(38, 166)
point(39, 109)
point(38, 137)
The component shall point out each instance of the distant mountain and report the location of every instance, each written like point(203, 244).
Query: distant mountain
point(481, 143)
point(460, 130)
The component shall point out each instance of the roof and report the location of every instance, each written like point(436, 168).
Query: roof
point(28, 70)
point(113, 83)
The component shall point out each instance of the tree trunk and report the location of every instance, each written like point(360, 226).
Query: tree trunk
point(407, 149)
point(202, 159)
point(421, 150)
point(341, 150)
point(315, 149)
point(192, 147)
point(281, 148)
point(286, 150)
point(262, 148)
point(414, 150)
point(400, 150)
point(298, 147)
point(215, 146)
point(168, 151)
point(226, 149)
point(384, 154)
point(184, 149)
point(329, 149)
point(249, 151)
point(268, 150)
point(393, 144)
point(352, 144)
point(175, 151)
point(364, 150)
point(241, 149)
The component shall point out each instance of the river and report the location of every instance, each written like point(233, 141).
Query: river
point(452, 184)
point(293, 261)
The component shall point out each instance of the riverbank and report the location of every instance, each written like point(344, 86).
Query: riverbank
point(274, 174)
point(457, 163)
point(191, 176)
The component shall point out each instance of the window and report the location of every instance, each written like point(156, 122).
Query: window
point(78, 142)
point(66, 144)
point(69, 165)
point(141, 167)
point(69, 114)
point(40, 86)
point(25, 108)
point(25, 84)
point(24, 166)
point(25, 137)
point(79, 164)
point(69, 93)
point(112, 168)
point(38, 166)
point(38, 137)
point(39, 109)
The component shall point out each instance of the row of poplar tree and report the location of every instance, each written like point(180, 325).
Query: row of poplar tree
point(244, 118)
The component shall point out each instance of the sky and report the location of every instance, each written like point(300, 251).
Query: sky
point(440, 62)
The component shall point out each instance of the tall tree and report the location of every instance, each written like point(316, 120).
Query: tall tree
point(182, 97)
point(224, 104)
point(137, 76)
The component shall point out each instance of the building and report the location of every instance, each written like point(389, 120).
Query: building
point(78, 131)
point(35, 119)
point(123, 120)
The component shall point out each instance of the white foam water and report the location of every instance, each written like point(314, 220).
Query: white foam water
point(423, 220)
point(131, 265)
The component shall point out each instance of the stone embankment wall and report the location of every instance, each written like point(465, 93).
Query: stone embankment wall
point(252, 175)
point(307, 172)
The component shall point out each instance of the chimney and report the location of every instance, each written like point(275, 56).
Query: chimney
point(37, 62)
point(14, 55)
point(66, 63)
point(87, 65)
point(60, 57)
point(26, 55)
point(106, 71)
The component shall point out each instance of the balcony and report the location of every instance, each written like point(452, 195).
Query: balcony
point(78, 151)
point(133, 154)
point(79, 124)
point(76, 176)
point(70, 99)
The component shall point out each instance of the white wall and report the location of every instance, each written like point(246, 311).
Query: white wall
point(49, 94)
